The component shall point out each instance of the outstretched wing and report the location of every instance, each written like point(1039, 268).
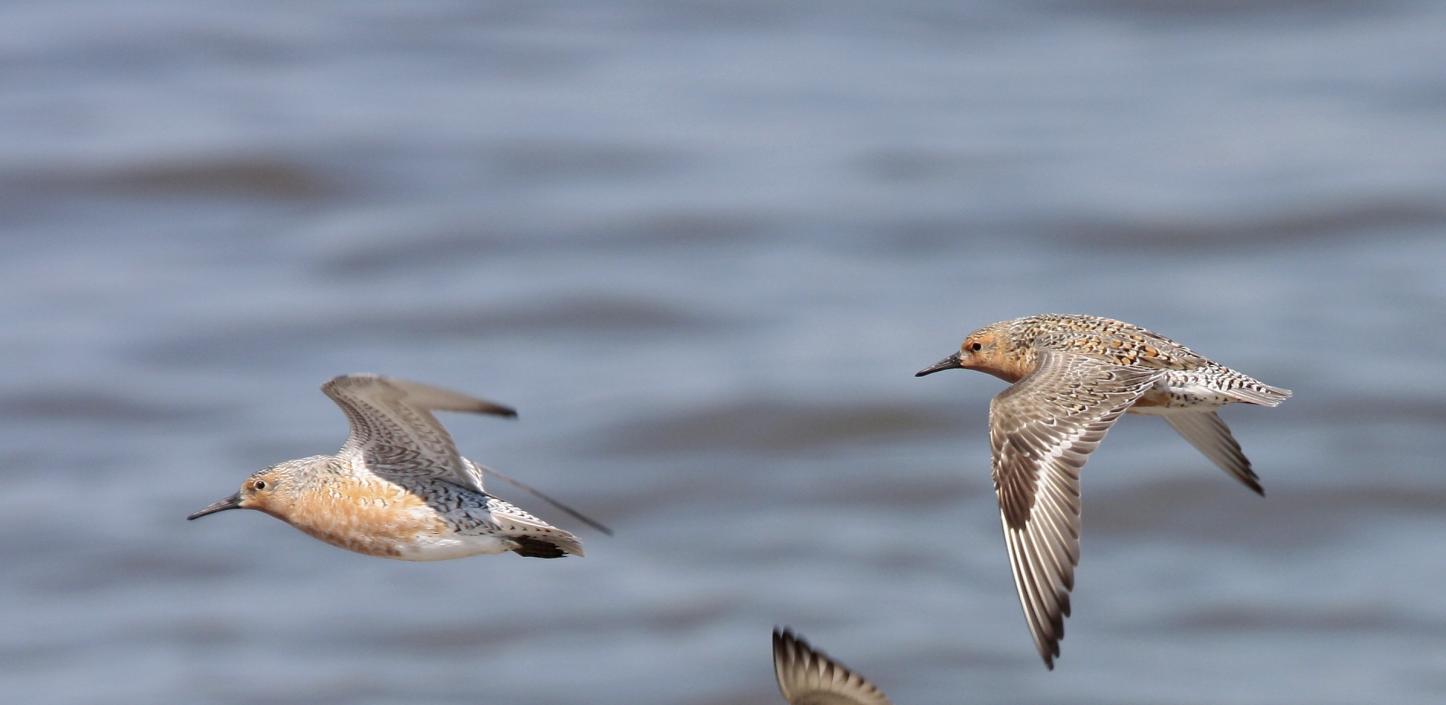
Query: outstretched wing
point(1211, 436)
point(392, 426)
point(1041, 431)
point(809, 677)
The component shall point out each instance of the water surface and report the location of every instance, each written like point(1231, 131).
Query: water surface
point(703, 247)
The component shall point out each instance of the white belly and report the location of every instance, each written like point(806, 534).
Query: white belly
point(1179, 395)
point(453, 546)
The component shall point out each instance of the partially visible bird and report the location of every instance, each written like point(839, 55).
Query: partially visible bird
point(1073, 376)
point(398, 488)
point(807, 676)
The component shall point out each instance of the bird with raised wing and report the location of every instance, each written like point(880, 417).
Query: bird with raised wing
point(398, 488)
point(807, 676)
point(1073, 376)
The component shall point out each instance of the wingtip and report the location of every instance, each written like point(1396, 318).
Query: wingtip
point(782, 635)
point(1253, 484)
point(1049, 655)
point(491, 408)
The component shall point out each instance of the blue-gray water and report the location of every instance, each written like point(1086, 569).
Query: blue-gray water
point(703, 246)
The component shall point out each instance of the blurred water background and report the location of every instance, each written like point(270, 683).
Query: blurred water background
point(703, 246)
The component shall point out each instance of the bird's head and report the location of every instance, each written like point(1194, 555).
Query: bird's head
point(271, 490)
point(985, 350)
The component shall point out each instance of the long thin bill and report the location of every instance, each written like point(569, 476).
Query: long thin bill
point(949, 363)
point(232, 502)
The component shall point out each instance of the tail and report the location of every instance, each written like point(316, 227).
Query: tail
point(1251, 391)
point(530, 536)
point(538, 547)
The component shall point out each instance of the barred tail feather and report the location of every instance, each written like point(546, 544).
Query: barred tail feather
point(531, 537)
point(1261, 394)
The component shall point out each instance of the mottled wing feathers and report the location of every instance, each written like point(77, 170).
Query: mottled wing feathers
point(1041, 432)
point(1057, 414)
point(393, 427)
point(807, 676)
point(1125, 343)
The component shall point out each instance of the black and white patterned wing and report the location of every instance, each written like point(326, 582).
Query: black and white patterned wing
point(393, 428)
point(1041, 432)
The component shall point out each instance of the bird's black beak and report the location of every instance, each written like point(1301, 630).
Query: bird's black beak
point(949, 363)
point(232, 502)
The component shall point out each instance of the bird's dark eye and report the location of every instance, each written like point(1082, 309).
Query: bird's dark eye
point(974, 347)
point(259, 485)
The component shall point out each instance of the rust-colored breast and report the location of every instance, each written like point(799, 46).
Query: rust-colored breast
point(375, 518)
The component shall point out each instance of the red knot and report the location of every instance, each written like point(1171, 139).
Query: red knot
point(807, 676)
point(398, 488)
point(1073, 376)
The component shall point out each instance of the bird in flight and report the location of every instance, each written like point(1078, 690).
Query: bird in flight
point(398, 488)
point(1072, 377)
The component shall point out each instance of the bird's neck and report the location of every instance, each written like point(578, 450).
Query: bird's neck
point(1009, 366)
